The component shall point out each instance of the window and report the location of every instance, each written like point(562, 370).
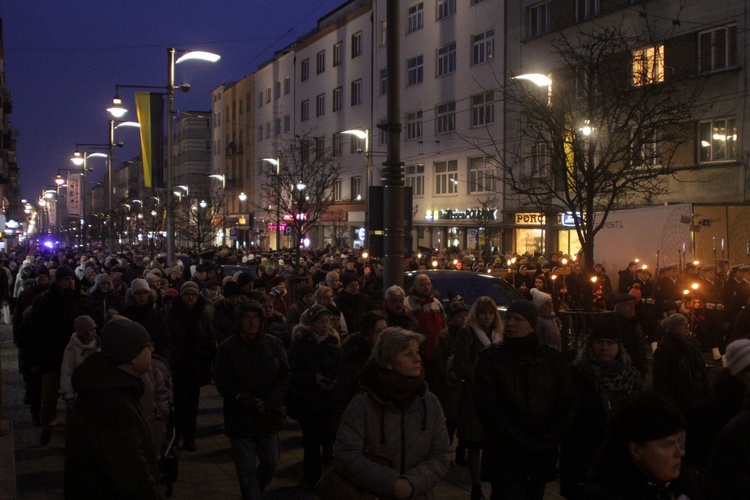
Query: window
point(356, 188)
point(336, 144)
point(474, 2)
point(383, 32)
point(717, 49)
point(383, 81)
point(446, 59)
point(337, 53)
point(717, 140)
point(305, 70)
point(414, 125)
point(539, 161)
point(338, 98)
point(357, 92)
point(260, 99)
point(538, 17)
point(446, 118)
point(648, 149)
point(337, 187)
point(276, 126)
point(260, 133)
point(268, 94)
point(382, 133)
point(287, 85)
point(586, 9)
point(415, 179)
point(481, 175)
point(320, 62)
point(320, 147)
point(446, 177)
point(483, 47)
point(415, 70)
point(415, 19)
point(276, 90)
point(304, 111)
point(445, 8)
point(482, 109)
point(287, 123)
point(320, 105)
point(356, 145)
point(648, 66)
point(356, 44)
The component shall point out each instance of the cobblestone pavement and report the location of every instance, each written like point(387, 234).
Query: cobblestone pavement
point(205, 474)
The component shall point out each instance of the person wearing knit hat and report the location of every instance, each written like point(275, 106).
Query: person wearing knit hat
point(107, 416)
point(101, 279)
point(548, 325)
point(64, 272)
point(526, 386)
point(190, 322)
point(738, 359)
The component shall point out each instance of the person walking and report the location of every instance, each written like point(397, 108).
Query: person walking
point(252, 376)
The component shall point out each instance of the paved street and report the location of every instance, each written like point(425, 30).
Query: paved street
point(205, 474)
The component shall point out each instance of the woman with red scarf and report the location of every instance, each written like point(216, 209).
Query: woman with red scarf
point(392, 439)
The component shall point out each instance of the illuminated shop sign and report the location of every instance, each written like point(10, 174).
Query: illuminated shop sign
point(530, 219)
point(468, 214)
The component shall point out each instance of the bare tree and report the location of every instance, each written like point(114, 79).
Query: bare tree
point(199, 219)
point(301, 186)
point(485, 218)
point(603, 134)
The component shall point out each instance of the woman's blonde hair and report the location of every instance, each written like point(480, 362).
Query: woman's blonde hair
point(484, 304)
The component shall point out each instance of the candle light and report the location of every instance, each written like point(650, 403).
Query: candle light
point(722, 244)
point(713, 239)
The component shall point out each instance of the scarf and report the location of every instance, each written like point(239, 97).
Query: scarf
point(318, 338)
point(497, 337)
point(613, 381)
point(528, 344)
point(397, 389)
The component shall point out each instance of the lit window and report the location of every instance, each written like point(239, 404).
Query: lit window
point(648, 66)
point(482, 175)
point(717, 140)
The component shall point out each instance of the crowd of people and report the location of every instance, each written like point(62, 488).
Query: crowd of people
point(383, 380)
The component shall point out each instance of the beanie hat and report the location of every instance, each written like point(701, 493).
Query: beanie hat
point(169, 293)
point(88, 272)
point(457, 307)
point(243, 278)
point(524, 308)
point(139, 284)
point(231, 289)
point(347, 278)
point(83, 324)
point(41, 269)
point(225, 280)
point(100, 278)
point(605, 327)
point(122, 340)
point(276, 281)
point(63, 272)
point(189, 285)
point(738, 356)
point(313, 312)
point(250, 305)
point(539, 298)
point(673, 320)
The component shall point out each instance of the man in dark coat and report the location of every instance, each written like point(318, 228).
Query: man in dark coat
point(52, 317)
point(353, 303)
point(633, 339)
point(525, 401)
point(109, 445)
point(252, 375)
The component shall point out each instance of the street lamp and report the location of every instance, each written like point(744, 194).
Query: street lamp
point(364, 135)
point(118, 111)
point(223, 180)
point(539, 80)
point(80, 159)
point(243, 198)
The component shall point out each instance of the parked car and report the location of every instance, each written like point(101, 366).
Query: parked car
point(468, 285)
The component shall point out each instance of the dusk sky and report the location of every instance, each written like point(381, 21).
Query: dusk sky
point(63, 59)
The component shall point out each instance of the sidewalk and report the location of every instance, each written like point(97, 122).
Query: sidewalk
point(206, 474)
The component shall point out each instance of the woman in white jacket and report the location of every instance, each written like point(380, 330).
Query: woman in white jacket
point(82, 343)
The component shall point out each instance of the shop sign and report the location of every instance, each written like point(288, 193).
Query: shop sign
point(569, 219)
point(469, 214)
point(530, 219)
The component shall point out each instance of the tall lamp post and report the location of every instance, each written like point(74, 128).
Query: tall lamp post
point(243, 198)
point(118, 111)
point(80, 159)
point(223, 180)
